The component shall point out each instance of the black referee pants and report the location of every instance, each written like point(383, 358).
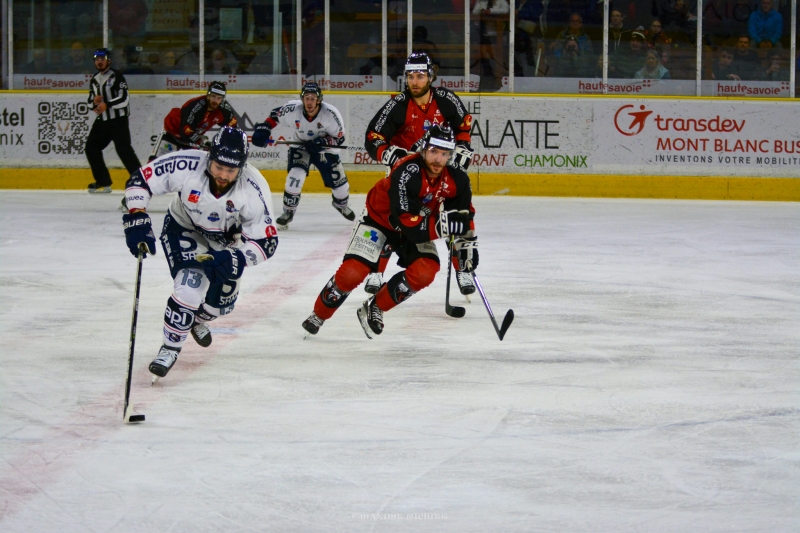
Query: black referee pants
point(100, 136)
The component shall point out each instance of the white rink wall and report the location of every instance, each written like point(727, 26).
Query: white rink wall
point(511, 134)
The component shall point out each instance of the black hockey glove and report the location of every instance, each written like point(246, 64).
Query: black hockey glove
point(326, 142)
point(453, 223)
point(261, 135)
point(462, 156)
point(225, 265)
point(392, 155)
point(139, 230)
point(467, 253)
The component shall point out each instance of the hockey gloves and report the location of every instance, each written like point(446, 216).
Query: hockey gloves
point(261, 135)
point(392, 155)
point(225, 265)
point(462, 156)
point(326, 142)
point(467, 253)
point(139, 230)
point(453, 223)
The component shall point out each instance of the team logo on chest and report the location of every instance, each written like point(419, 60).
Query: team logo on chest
point(194, 196)
point(428, 197)
point(229, 207)
point(213, 217)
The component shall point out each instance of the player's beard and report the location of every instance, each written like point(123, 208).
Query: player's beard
point(419, 93)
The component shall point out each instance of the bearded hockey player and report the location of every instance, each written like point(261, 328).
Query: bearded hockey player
point(220, 223)
point(422, 200)
point(398, 127)
point(318, 130)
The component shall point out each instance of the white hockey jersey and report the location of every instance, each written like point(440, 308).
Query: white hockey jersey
point(327, 123)
point(241, 218)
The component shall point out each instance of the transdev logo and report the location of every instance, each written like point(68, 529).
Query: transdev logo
point(630, 123)
point(194, 196)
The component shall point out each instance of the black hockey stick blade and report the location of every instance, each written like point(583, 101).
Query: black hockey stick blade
point(507, 320)
point(453, 311)
point(501, 331)
point(131, 418)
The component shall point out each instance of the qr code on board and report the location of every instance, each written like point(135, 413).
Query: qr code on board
point(63, 127)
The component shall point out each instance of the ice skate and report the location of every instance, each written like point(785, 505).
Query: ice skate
point(96, 188)
point(371, 318)
point(312, 324)
point(201, 334)
point(123, 205)
point(465, 283)
point(344, 210)
point(284, 219)
point(373, 283)
point(164, 361)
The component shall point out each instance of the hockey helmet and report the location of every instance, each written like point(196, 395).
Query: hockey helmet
point(311, 88)
point(229, 148)
point(440, 137)
point(102, 52)
point(218, 88)
point(419, 62)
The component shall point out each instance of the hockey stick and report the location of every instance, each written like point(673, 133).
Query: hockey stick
point(501, 331)
point(298, 143)
point(127, 415)
point(453, 311)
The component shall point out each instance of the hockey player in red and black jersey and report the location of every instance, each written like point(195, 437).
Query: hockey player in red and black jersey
point(185, 127)
point(423, 199)
point(399, 126)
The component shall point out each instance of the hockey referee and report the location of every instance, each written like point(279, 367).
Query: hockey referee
point(108, 98)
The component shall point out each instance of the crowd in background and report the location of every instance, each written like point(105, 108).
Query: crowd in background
point(648, 39)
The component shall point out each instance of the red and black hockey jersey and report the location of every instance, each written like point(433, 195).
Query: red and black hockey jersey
point(401, 122)
point(408, 200)
point(189, 123)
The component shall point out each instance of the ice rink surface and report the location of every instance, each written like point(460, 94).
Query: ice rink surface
point(649, 382)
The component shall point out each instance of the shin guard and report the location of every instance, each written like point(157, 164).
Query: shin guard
point(178, 320)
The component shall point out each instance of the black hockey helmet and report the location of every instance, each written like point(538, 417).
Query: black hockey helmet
point(419, 62)
point(218, 88)
point(229, 148)
point(102, 52)
point(311, 88)
point(441, 137)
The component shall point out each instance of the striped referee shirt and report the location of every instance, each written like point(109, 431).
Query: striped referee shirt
point(112, 86)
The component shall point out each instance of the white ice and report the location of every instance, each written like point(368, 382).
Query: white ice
point(648, 383)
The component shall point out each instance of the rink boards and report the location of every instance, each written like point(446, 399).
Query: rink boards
point(524, 145)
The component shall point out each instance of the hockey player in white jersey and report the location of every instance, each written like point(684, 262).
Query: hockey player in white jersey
point(220, 223)
point(318, 130)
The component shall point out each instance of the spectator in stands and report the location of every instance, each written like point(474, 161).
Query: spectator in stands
point(749, 64)
point(74, 18)
point(765, 26)
point(625, 64)
point(527, 16)
point(133, 56)
point(717, 17)
point(488, 24)
point(39, 65)
point(575, 31)
point(126, 19)
point(218, 62)
point(655, 37)
point(572, 62)
point(725, 67)
point(679, 19)
point(741, 12)
point(775, 70)
point(653, 69)
point(77, 61)
point(617, 33)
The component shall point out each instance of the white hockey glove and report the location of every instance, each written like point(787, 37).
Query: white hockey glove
point(467, 252)
point(453, 223)
point(392, 155)
point(462, 156)
point(205, 143)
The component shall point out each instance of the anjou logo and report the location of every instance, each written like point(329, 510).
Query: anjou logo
point(635, 125)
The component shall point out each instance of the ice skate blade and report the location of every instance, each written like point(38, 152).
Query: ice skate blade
point(155, 380)
point(282, 227)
